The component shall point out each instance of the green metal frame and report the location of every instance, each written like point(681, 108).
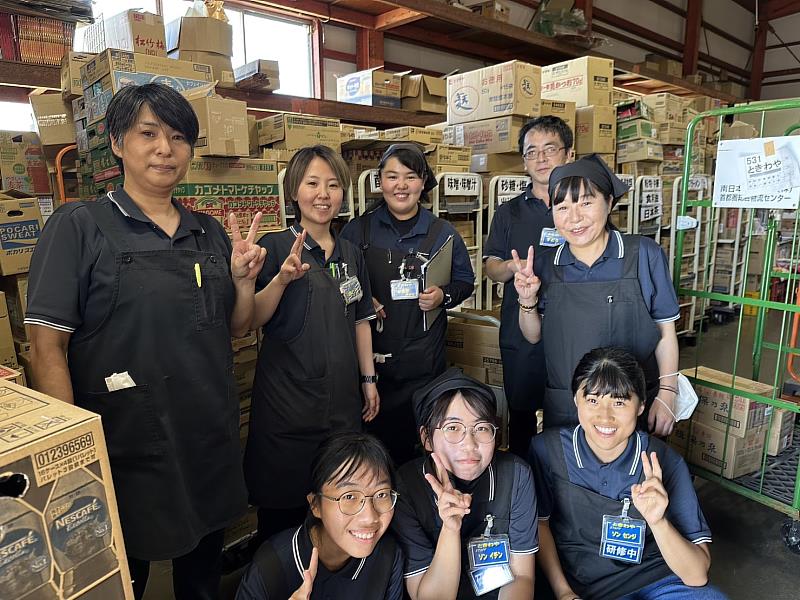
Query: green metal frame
point(787, 308)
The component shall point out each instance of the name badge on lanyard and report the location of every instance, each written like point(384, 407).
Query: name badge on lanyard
point(350, 287)
point(623, 536)
point(405, 288)
point(489, 562)
point(550, 237)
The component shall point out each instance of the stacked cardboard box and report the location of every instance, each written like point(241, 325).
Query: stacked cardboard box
point(203, 40)
point(424, 93)
point(474, 346)
point(131, 30)
point(372, 87)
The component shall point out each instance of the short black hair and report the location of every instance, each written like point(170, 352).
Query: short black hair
point(610, 371)
point(547, 124)
point(481, 406)
point(413, 159)
point(166, 104)
point(571, 186)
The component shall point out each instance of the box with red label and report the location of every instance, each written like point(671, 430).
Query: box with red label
point(586, 81)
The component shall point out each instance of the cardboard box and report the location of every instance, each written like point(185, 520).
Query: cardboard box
point(666, 107)
point(131, 30)
point(71, 86)
point(475, 345)
point(8, 353)
point(439, 169)
point(423, 93)
point(445, 154)
point(510, 88)
point(64, 524)
point(707, 449)
point(609, 159)
point(669, 133)
point(634, 108)
point(221, 65)
point(665, 65)
point(203, 34)
point(109, 71)
point(294, 131)
point(15, 288)
point(595, 129)
point(372, 87)
point(509, 162)
point(53, 119)
point(639, 150)
point(217, 186)
point(423, 135)
point(639, 168)
point(714, 406)
point(586, 81)
point(557, 108)
point(493, 9)
point(12, 375)
point(636, 130)
point(782, 432)
point(262, 75)
point(223, 127)
point(491, 136)
point(20, 226)
point(22, 163)
point(351, 131)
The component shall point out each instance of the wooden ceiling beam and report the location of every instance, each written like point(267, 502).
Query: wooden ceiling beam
point(396, 18)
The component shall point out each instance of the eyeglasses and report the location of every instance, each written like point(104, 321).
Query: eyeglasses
point(352, 503)
point(454, 433)
point(547, 151)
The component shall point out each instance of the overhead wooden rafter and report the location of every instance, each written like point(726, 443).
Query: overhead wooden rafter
point(691, 36)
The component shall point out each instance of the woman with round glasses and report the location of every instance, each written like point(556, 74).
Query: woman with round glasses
point(340, 551)
point(466, 515)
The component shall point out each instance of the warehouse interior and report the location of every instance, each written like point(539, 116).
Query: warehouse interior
point(675, 96)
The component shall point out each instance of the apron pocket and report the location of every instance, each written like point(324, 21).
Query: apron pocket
point(305, 409)
point(209, 299)
point(130, 423)
point(411, 359)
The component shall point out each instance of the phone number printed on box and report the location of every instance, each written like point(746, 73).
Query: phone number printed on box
point(63, 458)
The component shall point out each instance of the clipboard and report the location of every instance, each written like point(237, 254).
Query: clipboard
point(437, 271)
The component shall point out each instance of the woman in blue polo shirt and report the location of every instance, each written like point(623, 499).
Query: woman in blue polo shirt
point(589, 477)
point(598, 288)
point(397, 238)
point(342, 550)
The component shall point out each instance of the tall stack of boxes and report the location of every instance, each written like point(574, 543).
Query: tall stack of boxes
point(203, 40)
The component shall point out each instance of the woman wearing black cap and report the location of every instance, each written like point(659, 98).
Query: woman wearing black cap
point(397, 238)
point(599, 288)
point(466, 515)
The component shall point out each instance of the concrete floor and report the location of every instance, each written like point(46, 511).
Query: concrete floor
point(749, 559)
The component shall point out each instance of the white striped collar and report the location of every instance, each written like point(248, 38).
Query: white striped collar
point(296, 234)
point(117, 204)
point(490, 468)
point(571, 259)
point(298, 561)
point(576, 441)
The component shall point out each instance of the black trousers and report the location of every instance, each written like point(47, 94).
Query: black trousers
point(195, 576)
point(397, 429)
point(275, 520)
point(521, 429)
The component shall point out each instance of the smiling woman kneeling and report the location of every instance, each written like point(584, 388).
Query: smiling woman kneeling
point(340, 551)
point(618, 515)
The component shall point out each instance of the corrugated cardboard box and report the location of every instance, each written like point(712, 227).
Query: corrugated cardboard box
point(510, 88)
point(782, 432)
point(12, 375)
point(351, 131)
point(218, 186)
point(8, 353)
point(53, 119)
point(558, 108)
point(742, 455)
point(131, 30)
point(372, 87)
point(263, 75)
point(423, 135)
point(665, 65)
point(633, 108)
point(595, 129)
point(71, 86)
point(15, 288)
point(487, 137)
point(493, 9)
point(609, 159)
point(291, 132)
point(62, 517)
point(473, 344)
point(202, 34)
point(666, 107)
point(22, 163)
point(445, 154)
point(509, 162)
point(635, 130)
point(221, 65)
point(639, 150)
point(223, 127)
point(585, 81)
point(719, 409)
point(20, 226)
point(424, 93)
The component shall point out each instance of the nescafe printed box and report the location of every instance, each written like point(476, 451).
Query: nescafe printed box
point(60, 535)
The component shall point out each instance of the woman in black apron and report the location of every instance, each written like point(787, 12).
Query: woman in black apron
point(599, 288)
point(314, 306)
point(132, 301)
point(619, 517)
point(342, 550)
point(466, 515)
point(397, 238)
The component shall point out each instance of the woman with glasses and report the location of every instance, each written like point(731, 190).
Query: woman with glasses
point(340, 552)
point(466, 516)
point(598, 288)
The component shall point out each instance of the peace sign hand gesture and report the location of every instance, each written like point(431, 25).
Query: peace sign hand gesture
point(247, 257)
point(453, 505)
point(304, 591)
point(526, 282)
point(650, 498)
point(293, 267)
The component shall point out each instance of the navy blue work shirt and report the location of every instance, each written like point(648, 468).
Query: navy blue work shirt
point(614, 480)
point(658, 292)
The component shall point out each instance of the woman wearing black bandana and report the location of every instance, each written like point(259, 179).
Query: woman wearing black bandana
point(599, 288)
point(397, 238)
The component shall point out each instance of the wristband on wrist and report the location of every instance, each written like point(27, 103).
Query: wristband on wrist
point(528, 308)
point(369, 379)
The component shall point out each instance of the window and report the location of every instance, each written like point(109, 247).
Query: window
point(16, 116)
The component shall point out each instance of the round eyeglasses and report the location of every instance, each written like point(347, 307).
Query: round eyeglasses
point(352, 503)
point(547, 151)
point(455, 433)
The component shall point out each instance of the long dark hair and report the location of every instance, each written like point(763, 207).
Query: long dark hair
point(610, 371)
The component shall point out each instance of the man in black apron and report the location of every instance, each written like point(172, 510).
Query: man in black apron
point(544, 143)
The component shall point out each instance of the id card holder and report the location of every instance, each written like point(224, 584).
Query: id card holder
point(623, 536)
point(405, 289)
point(351, 290)
point(490, 578)
point(489, 560)
point(550, 237)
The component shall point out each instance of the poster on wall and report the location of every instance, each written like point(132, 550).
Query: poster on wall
point(758, 173)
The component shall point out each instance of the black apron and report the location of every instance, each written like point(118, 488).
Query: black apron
point(417, 356)
point(173, 439)
point(576, 525)
point(305, 389)
point(582, 316)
